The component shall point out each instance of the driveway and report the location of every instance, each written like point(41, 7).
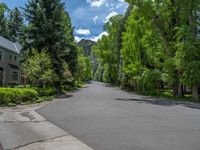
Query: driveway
point(107, 118)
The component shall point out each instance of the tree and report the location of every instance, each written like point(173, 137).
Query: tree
point(87, 45)
point(15, 25)
point(38, 68)
point(88, 71)
point(140, 53)
point(70, 55)
point(84, 73)
point(11, 23)
point(188, 45)
point(3, 20)
point(108, 49)
point(49, 28)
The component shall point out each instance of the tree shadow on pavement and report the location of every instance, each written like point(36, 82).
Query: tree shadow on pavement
point(1, 147)
point(161, 102)
point(64, 96)
point(68, 95)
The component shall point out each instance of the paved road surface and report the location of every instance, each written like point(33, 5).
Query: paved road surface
point(107, 118)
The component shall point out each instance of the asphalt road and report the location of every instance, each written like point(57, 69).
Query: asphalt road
point(107, 118)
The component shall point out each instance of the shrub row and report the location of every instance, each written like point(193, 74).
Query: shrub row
point(48, 91)
point(19, 95)
point(16, 95)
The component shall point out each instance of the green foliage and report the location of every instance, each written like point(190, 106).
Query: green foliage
point(154, 46)
point(151, 80)
point(84, 69)
point(16, 95)
point(107, 50)
point(87, 45)
point(39, 69)
point(106, 78)
point(47, 91)
point(3, 20)
point(81, 68)
point(15, 25)
point(88, 71)
point(11, 23)
point(98, 74)
point(49, 27)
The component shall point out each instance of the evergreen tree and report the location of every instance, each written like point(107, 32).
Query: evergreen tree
point(50, 28)
point(15, 25)
point(71, 55)
point(3, 20)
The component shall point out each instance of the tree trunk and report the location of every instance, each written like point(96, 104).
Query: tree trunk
point(184, 89)
point(195, 92)
point(175, 90)
point(180, 90)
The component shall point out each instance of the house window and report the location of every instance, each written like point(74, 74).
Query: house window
point(14, 76)
point(10, 56)
point(1, 76)
point(1, 56)
point(15, 58)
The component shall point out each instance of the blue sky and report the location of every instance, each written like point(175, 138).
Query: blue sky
point(88, 16)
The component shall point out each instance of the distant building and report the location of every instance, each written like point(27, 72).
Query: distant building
point(10, 73)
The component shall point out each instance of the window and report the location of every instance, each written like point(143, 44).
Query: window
point(15, 58)
point(1, 56)
point(1, 76)
point(15, 76)
point(10, 56)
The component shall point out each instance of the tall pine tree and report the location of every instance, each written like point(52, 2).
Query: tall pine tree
point(15, 25)
point(47, 30)
point(3, 20)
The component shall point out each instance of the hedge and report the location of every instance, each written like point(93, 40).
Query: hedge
point(17, 95)
point(47, 91)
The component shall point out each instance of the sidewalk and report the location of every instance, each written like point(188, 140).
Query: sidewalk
point(22, 128)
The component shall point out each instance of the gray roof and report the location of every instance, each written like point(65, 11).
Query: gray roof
point(14, 47)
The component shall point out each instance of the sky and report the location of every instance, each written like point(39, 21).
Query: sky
point(88, 16)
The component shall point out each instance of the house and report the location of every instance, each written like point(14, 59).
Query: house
point(10, 73)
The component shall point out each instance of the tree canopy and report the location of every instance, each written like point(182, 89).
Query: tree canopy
point(153, 47)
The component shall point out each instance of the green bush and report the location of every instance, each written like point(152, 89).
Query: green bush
point(67, 87)
point(16, 95)
point(47, 91)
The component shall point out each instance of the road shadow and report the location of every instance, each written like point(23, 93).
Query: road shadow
point(111, 85)
point(76, 90)
point(63, 96)
point(1, 147)
point(69, 95)
point(162, 102)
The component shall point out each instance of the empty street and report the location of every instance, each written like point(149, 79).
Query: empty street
point(107, 118)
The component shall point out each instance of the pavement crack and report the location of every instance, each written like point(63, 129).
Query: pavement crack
point(22, 121)
point(40, 141)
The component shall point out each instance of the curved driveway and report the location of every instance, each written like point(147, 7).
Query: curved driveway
point(107, 118)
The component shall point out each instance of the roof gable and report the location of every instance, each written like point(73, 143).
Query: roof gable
point(14, 47)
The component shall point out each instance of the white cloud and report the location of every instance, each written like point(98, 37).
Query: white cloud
point(119, 5)
point(95, 19)
point(113, 13)
point(77, 39)
point(99, 36)
point(96, 3)
point(82, 31)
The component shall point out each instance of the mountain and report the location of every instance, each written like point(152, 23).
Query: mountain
point(87, 46)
